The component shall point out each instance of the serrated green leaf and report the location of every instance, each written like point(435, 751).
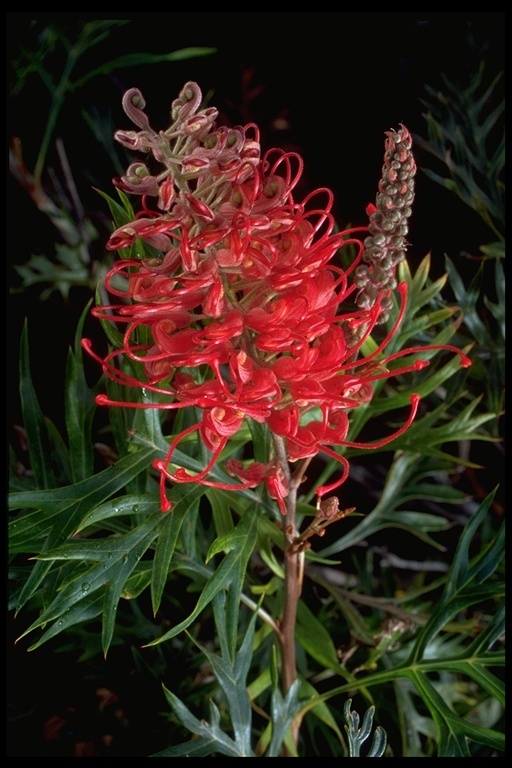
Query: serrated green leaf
point(402, 476)
point(477, 668)
point(417, 327)
point(421, 292)
point(428, 433)
point(468, 583)
point(431, 380)
point(454, 733)
point(224, 544)
point(61, 277)
point(485, 639)
point(461, 572)
point(137, 543)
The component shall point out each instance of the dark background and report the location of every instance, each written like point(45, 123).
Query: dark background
point(328, 84)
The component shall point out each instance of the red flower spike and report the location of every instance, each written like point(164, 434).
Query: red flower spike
point(246, 298)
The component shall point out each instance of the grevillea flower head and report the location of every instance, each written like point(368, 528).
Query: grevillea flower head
point(246, 313)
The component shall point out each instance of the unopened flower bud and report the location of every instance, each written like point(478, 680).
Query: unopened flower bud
point(187, 102)
point(130, 139)
point(166, 194)
point(133, 104)
point(194, 124)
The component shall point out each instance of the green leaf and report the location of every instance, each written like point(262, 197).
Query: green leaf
point(136, 544)
point(461, 588)
point(430, 431)
point(123, 506)
point(467, 583)
point(62, 510)
point(141, 59)
point(60, 455)
point(113, 559)
point(421, 291)
point(402, 480)
point(357, 735)
point(261, 443)
point(452, 740)
point(453, 733)
point(90, 607)
point(460, 126)
point(69, 271)
point(79, 410)
point(197, 747)
point(315, 639)
point(230, 572)
point(283, 710)
point(184, 498)
point(231, 675)
point(221, 512)
point(121, 214)
point(37, 435)
point(212, 739)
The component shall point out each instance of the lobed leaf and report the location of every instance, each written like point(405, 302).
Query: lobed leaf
point(212, 739)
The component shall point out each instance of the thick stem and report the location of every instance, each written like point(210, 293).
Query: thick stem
point(291, 594)
point(292, 575)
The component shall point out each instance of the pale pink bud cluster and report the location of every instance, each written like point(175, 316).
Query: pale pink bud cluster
point(200, 160)
point(385, 248)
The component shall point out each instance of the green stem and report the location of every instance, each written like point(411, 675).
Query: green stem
point(57, 102)
point(58, 97)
